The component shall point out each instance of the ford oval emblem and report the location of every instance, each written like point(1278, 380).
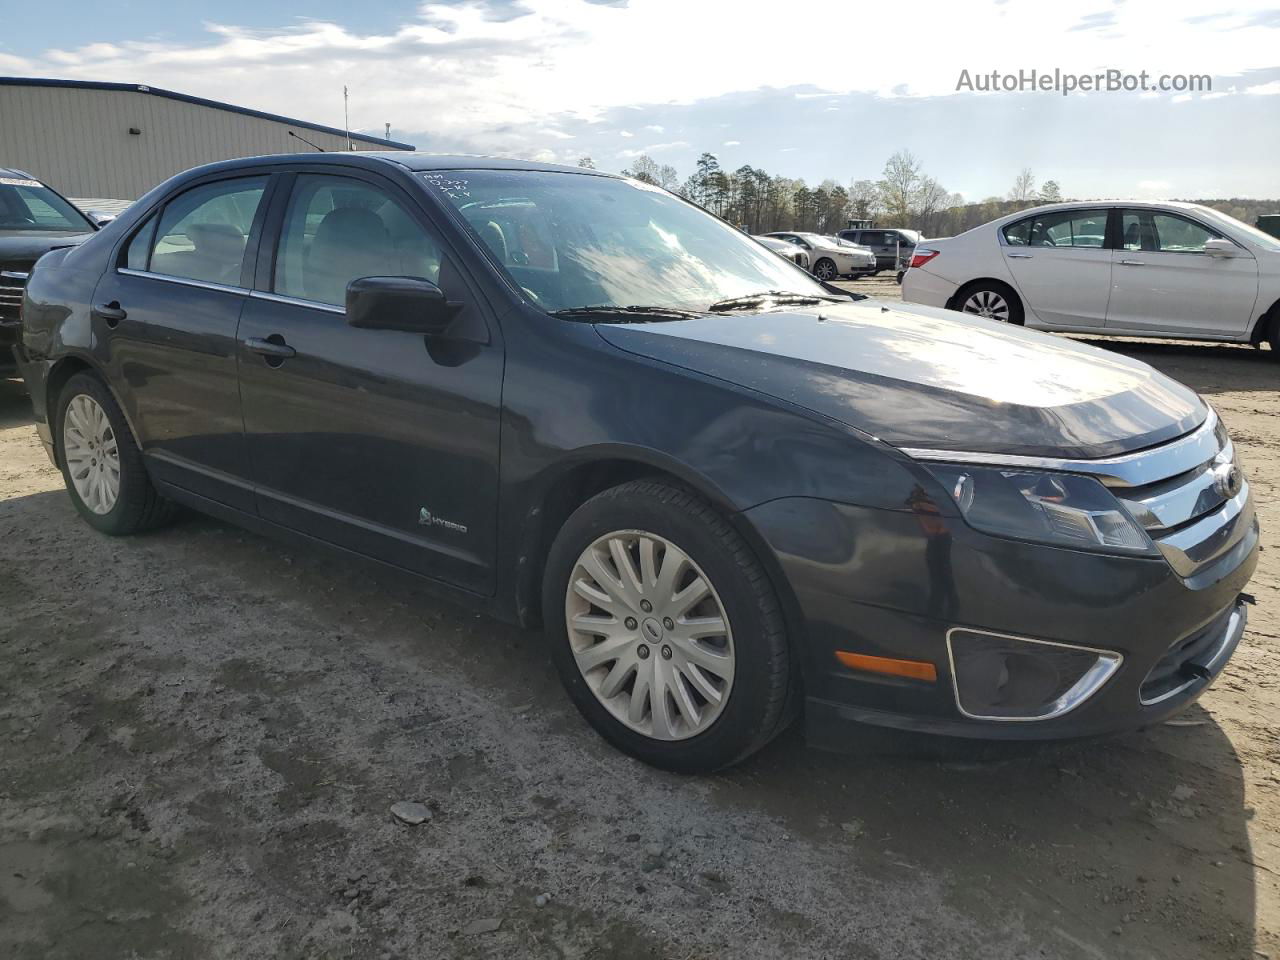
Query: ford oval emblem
point(1227, 480)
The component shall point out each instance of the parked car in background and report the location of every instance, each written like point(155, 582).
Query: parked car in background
point(34, 219)
point(892, 246)
point(868, 266)
point(1123, 268)
point(1269, 223)
point(827, 259)
point(790, 251)
point(730, 496)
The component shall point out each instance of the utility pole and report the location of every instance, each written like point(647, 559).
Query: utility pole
point(346, 118)
point(388, 136)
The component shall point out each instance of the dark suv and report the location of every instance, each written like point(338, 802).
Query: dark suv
point(34, 219)
point(891, 246)
point(730, 494)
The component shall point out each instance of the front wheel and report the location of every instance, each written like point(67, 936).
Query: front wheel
point(665, 630)
point(825, 270)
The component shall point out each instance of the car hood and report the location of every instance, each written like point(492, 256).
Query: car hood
point(923, 377)
point(19, 249)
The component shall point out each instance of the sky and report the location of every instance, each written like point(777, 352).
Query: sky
point(772, 85)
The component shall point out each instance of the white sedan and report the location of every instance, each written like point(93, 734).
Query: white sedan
point(827, 258)
point(788, 251)
point(1121, 268)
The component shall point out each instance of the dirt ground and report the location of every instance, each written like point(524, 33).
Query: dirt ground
point(203, 732)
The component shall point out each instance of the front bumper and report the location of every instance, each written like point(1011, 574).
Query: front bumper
point(879, 583)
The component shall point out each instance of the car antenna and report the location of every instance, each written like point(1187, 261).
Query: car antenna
point(306, 141)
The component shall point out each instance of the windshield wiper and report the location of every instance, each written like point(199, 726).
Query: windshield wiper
point(770, 296)
point(632, 314)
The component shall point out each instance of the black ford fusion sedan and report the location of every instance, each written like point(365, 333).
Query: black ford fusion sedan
point(730, 494)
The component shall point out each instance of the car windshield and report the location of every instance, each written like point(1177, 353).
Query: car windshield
point(572, 241)
point(1262, 239)
point(29, 205)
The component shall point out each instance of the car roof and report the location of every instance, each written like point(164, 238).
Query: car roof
point(1094, 204)
point(17, 174)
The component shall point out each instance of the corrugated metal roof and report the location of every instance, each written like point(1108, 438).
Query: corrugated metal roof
point(201, 101)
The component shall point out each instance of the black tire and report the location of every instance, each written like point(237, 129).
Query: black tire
point(825, 264)
point(138, 506)
point(755, 711)
point(1017, 315)
point(1274, 334)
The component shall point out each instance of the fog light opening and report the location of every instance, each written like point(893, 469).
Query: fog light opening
point(1001, 677)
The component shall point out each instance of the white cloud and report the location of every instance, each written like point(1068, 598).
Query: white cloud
point(625, 133)
point(732, 143)
point(1265, 89)
point(654, 128)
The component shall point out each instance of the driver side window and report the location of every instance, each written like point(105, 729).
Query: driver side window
point(338, 229)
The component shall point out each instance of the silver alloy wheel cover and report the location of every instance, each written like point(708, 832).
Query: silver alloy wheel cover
point(665, 672)
point(989, 304)
point(825, 270)
point(91, 453)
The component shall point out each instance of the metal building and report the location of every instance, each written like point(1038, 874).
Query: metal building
point(116, 141)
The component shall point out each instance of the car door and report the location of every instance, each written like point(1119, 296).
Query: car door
point(167, 311)
point(1164, 280)
point(380, 441)
point(1061, 266)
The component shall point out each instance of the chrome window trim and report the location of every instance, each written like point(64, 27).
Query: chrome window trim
point(1128, 470)
point(1093, 679)
point(297, 302)
point(182, 281)
point(15, 274)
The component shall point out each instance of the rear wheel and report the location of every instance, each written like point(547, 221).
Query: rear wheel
point(825, 269)
point(992, 300)
point(665, 630)
point(101, 463)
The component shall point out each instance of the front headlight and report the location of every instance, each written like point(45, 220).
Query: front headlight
point(1058, 508)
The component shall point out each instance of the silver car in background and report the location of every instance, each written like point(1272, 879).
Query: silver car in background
point(828, 258)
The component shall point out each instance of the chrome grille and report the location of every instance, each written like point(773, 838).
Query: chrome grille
point(1182, 499)
point(11, 287)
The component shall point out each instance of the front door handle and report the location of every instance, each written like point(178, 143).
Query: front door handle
point(1132, 263)
point(111, 312)
point(1020, 256)
point(275, 349)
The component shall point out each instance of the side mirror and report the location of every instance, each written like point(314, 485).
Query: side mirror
point(399, 303)
point(1220, 248)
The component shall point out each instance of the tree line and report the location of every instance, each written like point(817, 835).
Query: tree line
point(904, 196)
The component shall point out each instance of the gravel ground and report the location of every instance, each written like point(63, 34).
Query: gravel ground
point(204, 732)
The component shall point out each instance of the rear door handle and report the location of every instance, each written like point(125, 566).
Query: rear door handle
point(1020, 256)
point(111, 312)
point(1132, 263)
point(269, 348)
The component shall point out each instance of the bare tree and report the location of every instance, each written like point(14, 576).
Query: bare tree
point(586, 163)
point(931, 197)
point(646, 169)
point(668, 177)
point(898, 187)
point(1051, 192)
point(1024, 188)
point(864, 199)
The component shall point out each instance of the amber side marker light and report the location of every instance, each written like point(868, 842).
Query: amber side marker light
point(912, 669)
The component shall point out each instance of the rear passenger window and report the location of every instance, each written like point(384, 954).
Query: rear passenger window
point(337, 230)
point(1062, 228)
point(203, 232)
